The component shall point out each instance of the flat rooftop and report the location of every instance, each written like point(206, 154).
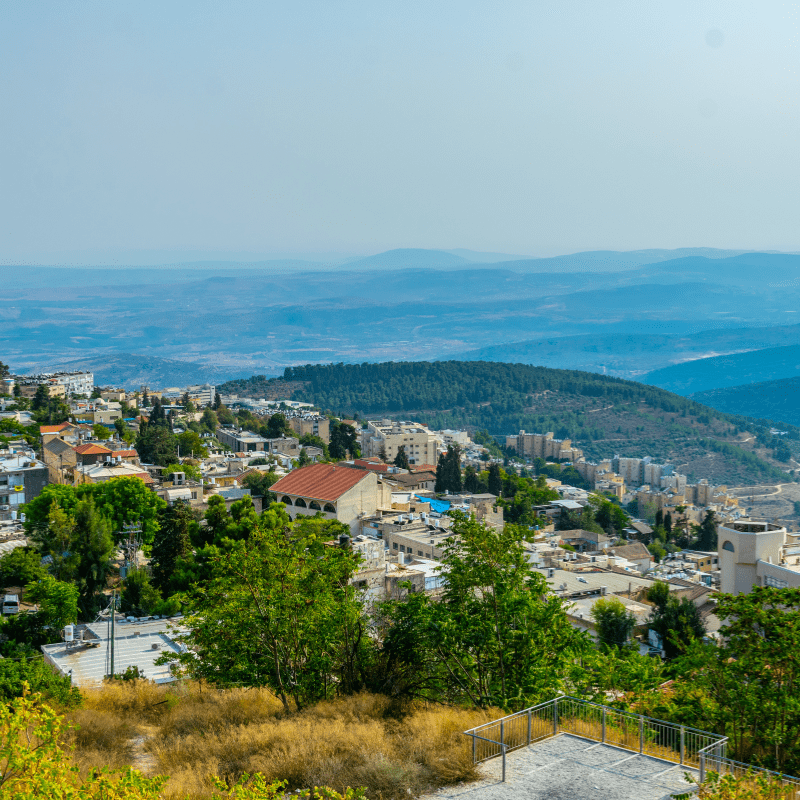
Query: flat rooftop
point(135, 644)
point(567, 767)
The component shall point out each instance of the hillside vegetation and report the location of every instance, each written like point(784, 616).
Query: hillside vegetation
point(602, 414)
point(778, 400)
point(192, 732)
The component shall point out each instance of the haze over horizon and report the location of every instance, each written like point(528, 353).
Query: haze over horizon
point(154, 133)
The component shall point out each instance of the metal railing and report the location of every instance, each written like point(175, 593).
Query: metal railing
point(680, 744)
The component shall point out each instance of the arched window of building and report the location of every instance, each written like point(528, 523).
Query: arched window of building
point(315, 505)
point(330, 508)
point(286, 499)
point(729, 547)
point(300, 502)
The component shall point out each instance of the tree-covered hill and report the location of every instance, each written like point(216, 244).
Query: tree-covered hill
point(775, 400)
point(602, 414)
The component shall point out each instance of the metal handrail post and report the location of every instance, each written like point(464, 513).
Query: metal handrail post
point(641, 733)
point(474, 749)
point(702, 767)
point(555, 716)
point(503, 744)
point(604, 726)
point(683, 744)
point(529, 725)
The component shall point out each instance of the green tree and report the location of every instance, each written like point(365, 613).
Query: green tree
point(190, 470)
point(100, 431)
point(191, 444)
point(156, 445)
point(279, 611)
point(157, 415)
point(471, 480)
point(209, 421)
point(18, 677)
point(177, 529)
point(57, 600)
point(401, 459)
point(677, 622)
point(217, 401)
point(311, 440)
point(613, 621)
point(495, 480)
point(93, 547)
point(448, 471)
point(4, 370)
point(497, 636)
point(707, 534)
point(20, 566)
point(344, 440)
point(139, 597)
point(747, 686)
point(277, 426)
point(48, 410)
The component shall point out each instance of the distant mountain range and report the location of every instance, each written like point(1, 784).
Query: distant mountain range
point(624, 314)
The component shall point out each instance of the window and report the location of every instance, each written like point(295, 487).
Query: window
point(729, 547)
point(330, 508)
point(427, 555)
point(315, 505)
point(419, 552)
point(286, 499)
point(394, 545)
point(402, 548)
point(775, 583)
point(300, 502)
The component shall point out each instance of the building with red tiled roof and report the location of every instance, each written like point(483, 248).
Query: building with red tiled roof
point(48, 432)
point(92, 449)
point(335, 492)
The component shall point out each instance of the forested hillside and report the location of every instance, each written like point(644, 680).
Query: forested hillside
point(778, 400)
point(603, 415)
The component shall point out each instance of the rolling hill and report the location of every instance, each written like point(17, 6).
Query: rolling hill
point(630, 355)
point(603, 415)
point(755, 366)
point(777, 400)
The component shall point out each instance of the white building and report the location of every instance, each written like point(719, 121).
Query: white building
point(757, 554)
point(422, 446)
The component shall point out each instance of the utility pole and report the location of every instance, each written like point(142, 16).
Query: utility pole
point(113, 611)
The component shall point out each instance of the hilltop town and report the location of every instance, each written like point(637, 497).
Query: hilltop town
point(123, 512)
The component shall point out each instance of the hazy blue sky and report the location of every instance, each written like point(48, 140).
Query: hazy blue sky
point(266, 128)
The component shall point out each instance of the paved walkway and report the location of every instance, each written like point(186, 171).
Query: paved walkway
point(567, 767)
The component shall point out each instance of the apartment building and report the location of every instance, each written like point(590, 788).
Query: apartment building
point(22, 478)
point(544, 445)
point(310, 424)
point(61, 383)
point(421, 445)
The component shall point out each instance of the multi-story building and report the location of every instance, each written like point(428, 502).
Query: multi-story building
point(22, 478)
point(755, 553)
point(311, 424)
point(421, 445)
point(242, 441)
point(60, 383)
point(543, 445)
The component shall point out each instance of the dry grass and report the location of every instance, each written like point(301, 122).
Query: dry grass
point(196, 732)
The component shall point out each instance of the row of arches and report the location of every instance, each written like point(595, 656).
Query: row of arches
point(314, 505)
